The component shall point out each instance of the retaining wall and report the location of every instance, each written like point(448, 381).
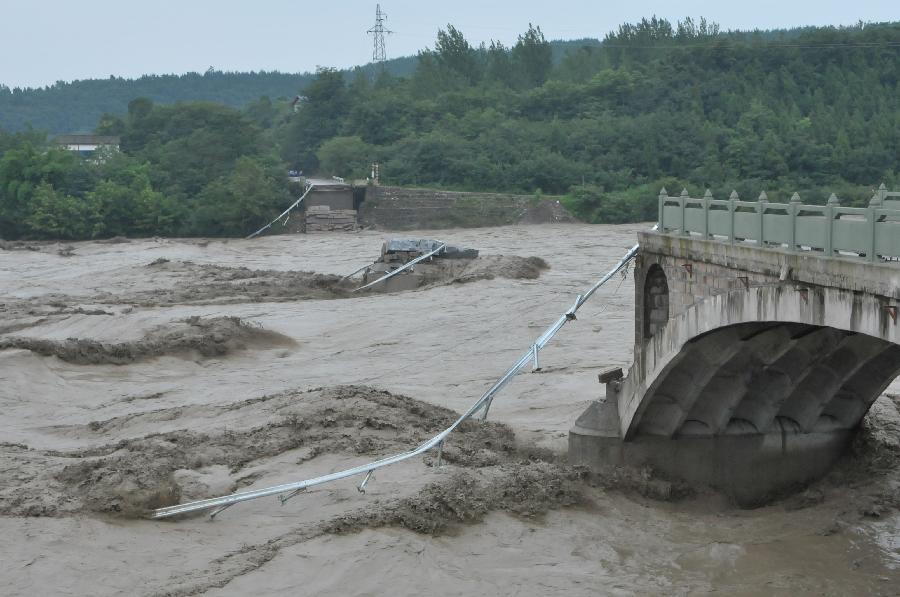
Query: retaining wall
point(400, 208)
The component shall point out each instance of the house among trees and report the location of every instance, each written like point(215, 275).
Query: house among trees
point(87, 144)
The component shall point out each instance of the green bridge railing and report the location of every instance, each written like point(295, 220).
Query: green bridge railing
point(867, 232)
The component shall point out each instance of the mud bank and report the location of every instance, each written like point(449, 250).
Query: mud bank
point(210, 337)
point(148, 471)
point(487, 267)
point(213, 284)
point(178, 283)
point(526, 488)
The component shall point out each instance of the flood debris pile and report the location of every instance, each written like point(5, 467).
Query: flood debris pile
point(450, 264)
point(206, 337)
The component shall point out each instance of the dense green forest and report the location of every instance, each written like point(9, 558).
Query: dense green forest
point(76, 107)
point(813, 110)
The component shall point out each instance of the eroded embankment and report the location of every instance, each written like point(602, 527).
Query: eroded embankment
point(208, 337)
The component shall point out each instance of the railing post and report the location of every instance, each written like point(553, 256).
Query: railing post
point(793, 210)
point(829, 229)
point(707, 197)
point(761, 210)
point(875, 203)
point(663, 195)
point(683, 201)
point(731, 208)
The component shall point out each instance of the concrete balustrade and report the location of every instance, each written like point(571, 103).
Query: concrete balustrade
point(871, 232)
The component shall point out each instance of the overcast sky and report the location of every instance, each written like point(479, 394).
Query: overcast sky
point(43, 41)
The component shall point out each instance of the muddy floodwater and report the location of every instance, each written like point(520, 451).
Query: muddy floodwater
point(137, 374)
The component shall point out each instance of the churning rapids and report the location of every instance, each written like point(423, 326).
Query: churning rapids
point(136, 374)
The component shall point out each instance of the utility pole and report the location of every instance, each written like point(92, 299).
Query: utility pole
point(378, 31)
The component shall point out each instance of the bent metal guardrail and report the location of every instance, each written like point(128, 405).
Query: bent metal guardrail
point(405, 267)
point(871, 232)
point(284, 213)
point(288, 490)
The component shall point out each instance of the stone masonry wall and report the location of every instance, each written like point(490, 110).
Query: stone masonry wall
point(399, 208)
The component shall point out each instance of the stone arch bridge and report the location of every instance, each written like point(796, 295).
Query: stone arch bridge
point(763, 334)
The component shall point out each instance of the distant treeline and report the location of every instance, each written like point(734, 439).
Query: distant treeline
point(77, 106)
point(813, 110)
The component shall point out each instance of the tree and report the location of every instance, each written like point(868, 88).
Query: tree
point(533, 55)
point(56, 215)
point(345, 156)
point(139, 108)
point(317, 119)
point(231, 205)
point(454, 54)
point(499, 65)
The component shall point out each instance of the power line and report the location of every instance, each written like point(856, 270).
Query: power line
point(751, 46)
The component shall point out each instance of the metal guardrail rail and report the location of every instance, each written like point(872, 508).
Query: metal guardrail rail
point(357, 270)
point(284, 213)
point(288, 490)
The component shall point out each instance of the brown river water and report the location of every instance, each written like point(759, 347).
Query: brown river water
point(134, 374)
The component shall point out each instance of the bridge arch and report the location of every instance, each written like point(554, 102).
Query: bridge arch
point(765, 377)
point(778, 358)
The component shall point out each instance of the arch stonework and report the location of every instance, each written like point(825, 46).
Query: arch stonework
point(764, 369)
point(741, 331)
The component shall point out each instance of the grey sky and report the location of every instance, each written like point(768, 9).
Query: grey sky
point(43, 41)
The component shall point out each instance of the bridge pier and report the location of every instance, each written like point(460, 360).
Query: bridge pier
point(751, 469)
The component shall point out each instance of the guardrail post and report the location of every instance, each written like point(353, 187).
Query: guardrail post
point(731, 208)
point(829, 228)
point(793, 210)
point(761, 210)
point(707, 197)
point(875, 203)
point(683, 201)
point(663, 195)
